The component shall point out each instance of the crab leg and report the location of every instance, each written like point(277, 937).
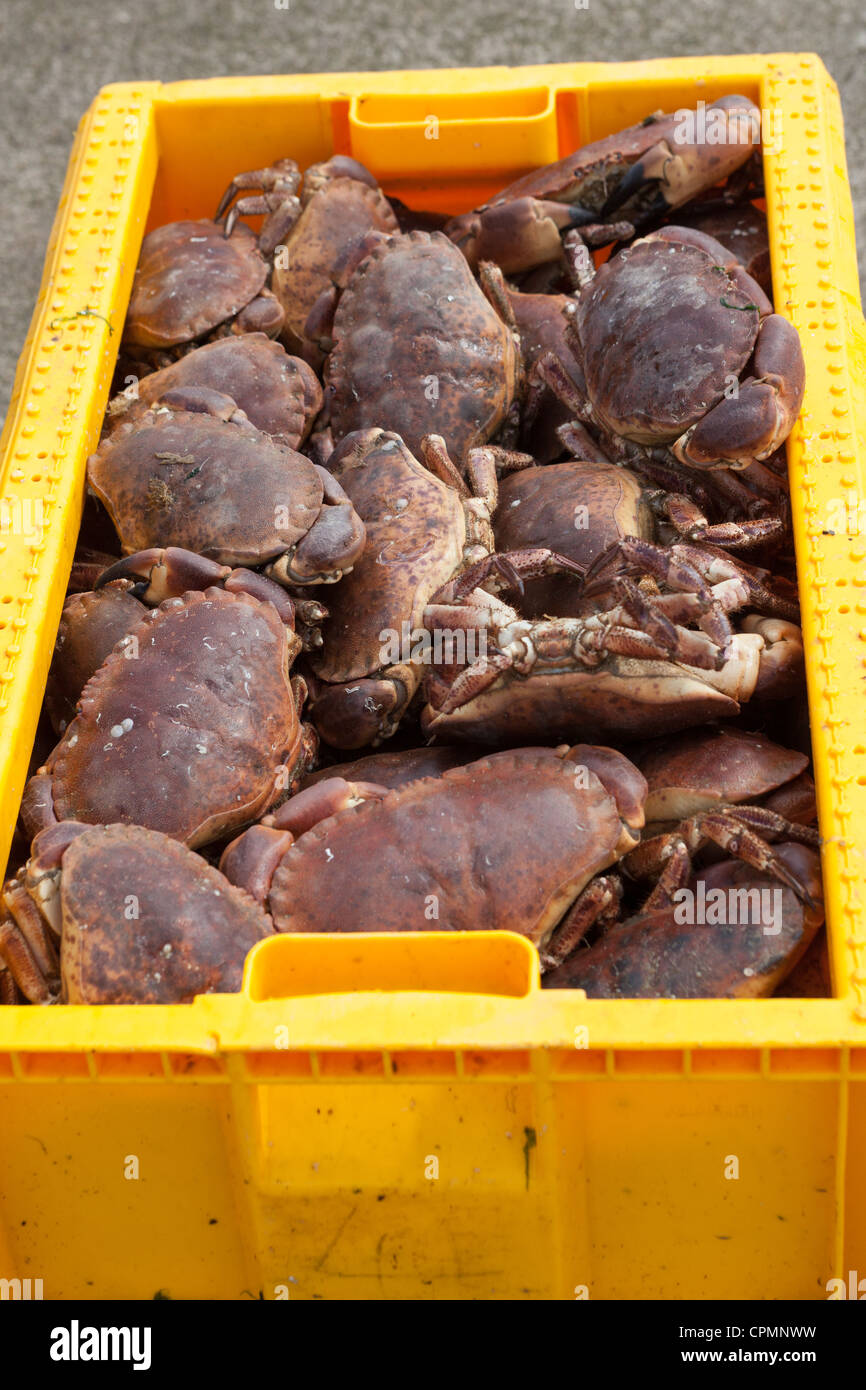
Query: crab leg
point(643, 557)
point(583, 642)
point(492, 282)
point(277, 202)
point(478, 677)
point(482, 469)
point(283, 176)
point(598, 905)
point(281, 215)
point(675, 874)
point(578, 260)
point(9, 991)
point(478, 612)
point(613, 637)
point(716, 566)
point(577, 439)
point(28, 947)
point(553, 374)
point(689, 521)
point(730, 828)
point(508, 571)
point(686, 567)
point(770, 822)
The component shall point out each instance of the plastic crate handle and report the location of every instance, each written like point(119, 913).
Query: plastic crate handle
point(483, 962)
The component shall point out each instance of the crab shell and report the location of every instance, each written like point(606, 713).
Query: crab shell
point(211, 484)
point(190, 278)
point(812, 976)
point(416, 528)
point(706, 768)
point(280, 395)
point(658, 956)
point(397, 767)
point(186, 728)
point(189, 933)
point(742, 230)
point(622, 698)
point(683, 329)
point(439, 854)
point(418, 348)
point(334, 220)
point(576, 509)
point(91, 625)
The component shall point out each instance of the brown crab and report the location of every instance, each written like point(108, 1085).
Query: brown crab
point(702, 364)
point(419, 348)
point(638, 173)
point(424, 524)
point(192, 281)
point(583, 509)
point(191, 725)
point(727, 787)
point(116, 914)
point(632, 669)
point(439, 853)
point(549, 433)
point(280, 395)
point(744, 949)
point(323, 233)
point(191, 471)
point(554, 376)
point(95, 620)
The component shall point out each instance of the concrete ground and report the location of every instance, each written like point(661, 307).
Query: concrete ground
point(54, 57)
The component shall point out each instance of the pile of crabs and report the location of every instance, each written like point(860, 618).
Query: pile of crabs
point(436, 573)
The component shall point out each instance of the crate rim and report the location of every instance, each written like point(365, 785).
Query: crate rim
point(542, 1019)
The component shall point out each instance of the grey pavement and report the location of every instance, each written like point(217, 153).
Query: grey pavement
point(55, 55)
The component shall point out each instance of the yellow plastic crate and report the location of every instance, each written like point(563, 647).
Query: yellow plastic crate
point(412, 1116)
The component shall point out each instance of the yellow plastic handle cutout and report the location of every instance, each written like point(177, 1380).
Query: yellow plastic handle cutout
point(289, 965)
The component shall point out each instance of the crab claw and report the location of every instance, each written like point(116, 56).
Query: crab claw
point(331, 546)
point(172, 572)
point(780, 670)
point(704, 148)
point(313, 804)
point(517, 235)
point(752, 424)
point(250, 860)
point(356, 713)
